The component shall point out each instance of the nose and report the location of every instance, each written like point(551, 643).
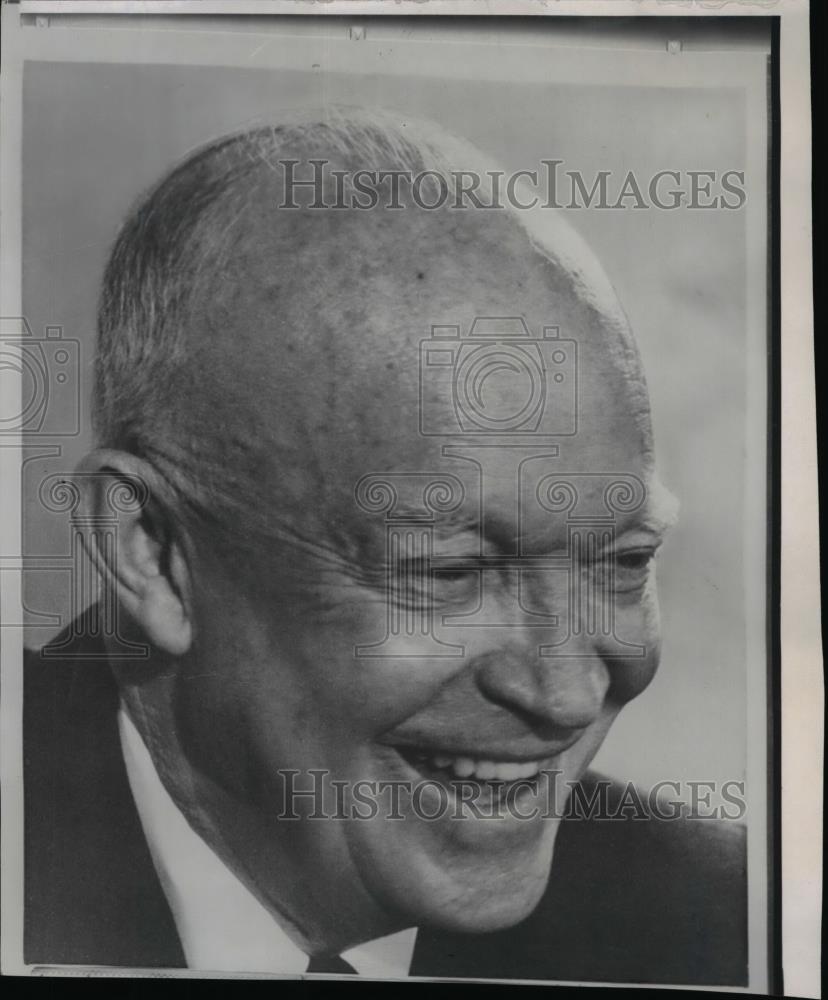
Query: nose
point(567, 691)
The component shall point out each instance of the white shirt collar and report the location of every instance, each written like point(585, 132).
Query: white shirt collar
point(222, 926)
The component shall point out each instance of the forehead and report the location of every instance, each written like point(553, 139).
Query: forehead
point(333, 315)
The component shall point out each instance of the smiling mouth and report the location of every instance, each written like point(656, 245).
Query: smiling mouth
point(448, 767)
point(491, 781)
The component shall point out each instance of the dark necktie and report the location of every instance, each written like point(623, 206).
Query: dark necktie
point(330, 963)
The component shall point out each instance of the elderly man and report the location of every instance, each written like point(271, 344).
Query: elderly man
point(381, 549)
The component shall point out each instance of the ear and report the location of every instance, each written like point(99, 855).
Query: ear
point(146, 566)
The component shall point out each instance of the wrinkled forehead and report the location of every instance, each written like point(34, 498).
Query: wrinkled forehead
point(357, 344)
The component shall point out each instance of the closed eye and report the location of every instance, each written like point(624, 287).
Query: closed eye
point(630, 568)
point(637, 559)
point(448, 584)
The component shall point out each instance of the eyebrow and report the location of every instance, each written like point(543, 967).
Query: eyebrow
point(450, 522)
point(659, 515)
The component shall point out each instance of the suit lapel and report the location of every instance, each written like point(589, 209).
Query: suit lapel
point(92, 894)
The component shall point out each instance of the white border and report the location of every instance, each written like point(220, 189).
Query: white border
point(354, 8)
point(800, 624)
point(802, 678)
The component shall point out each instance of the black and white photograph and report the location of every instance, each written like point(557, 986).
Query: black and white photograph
point(393, 411)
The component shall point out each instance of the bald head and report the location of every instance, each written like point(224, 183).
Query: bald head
point(264, 357)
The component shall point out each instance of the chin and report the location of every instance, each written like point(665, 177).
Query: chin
point(495, 903)
point(482, 917)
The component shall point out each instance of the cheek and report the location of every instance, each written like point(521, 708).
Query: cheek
point(637, 626)
point(343, 677)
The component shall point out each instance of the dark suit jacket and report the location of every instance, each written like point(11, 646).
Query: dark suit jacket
point(627, 900)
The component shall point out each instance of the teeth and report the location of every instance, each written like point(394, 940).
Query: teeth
point(485, 770)
point(463, 767)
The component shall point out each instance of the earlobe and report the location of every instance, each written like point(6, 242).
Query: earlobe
point(145, 567)
point(163, 618)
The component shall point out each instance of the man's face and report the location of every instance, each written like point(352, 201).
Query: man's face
point(290, 674)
